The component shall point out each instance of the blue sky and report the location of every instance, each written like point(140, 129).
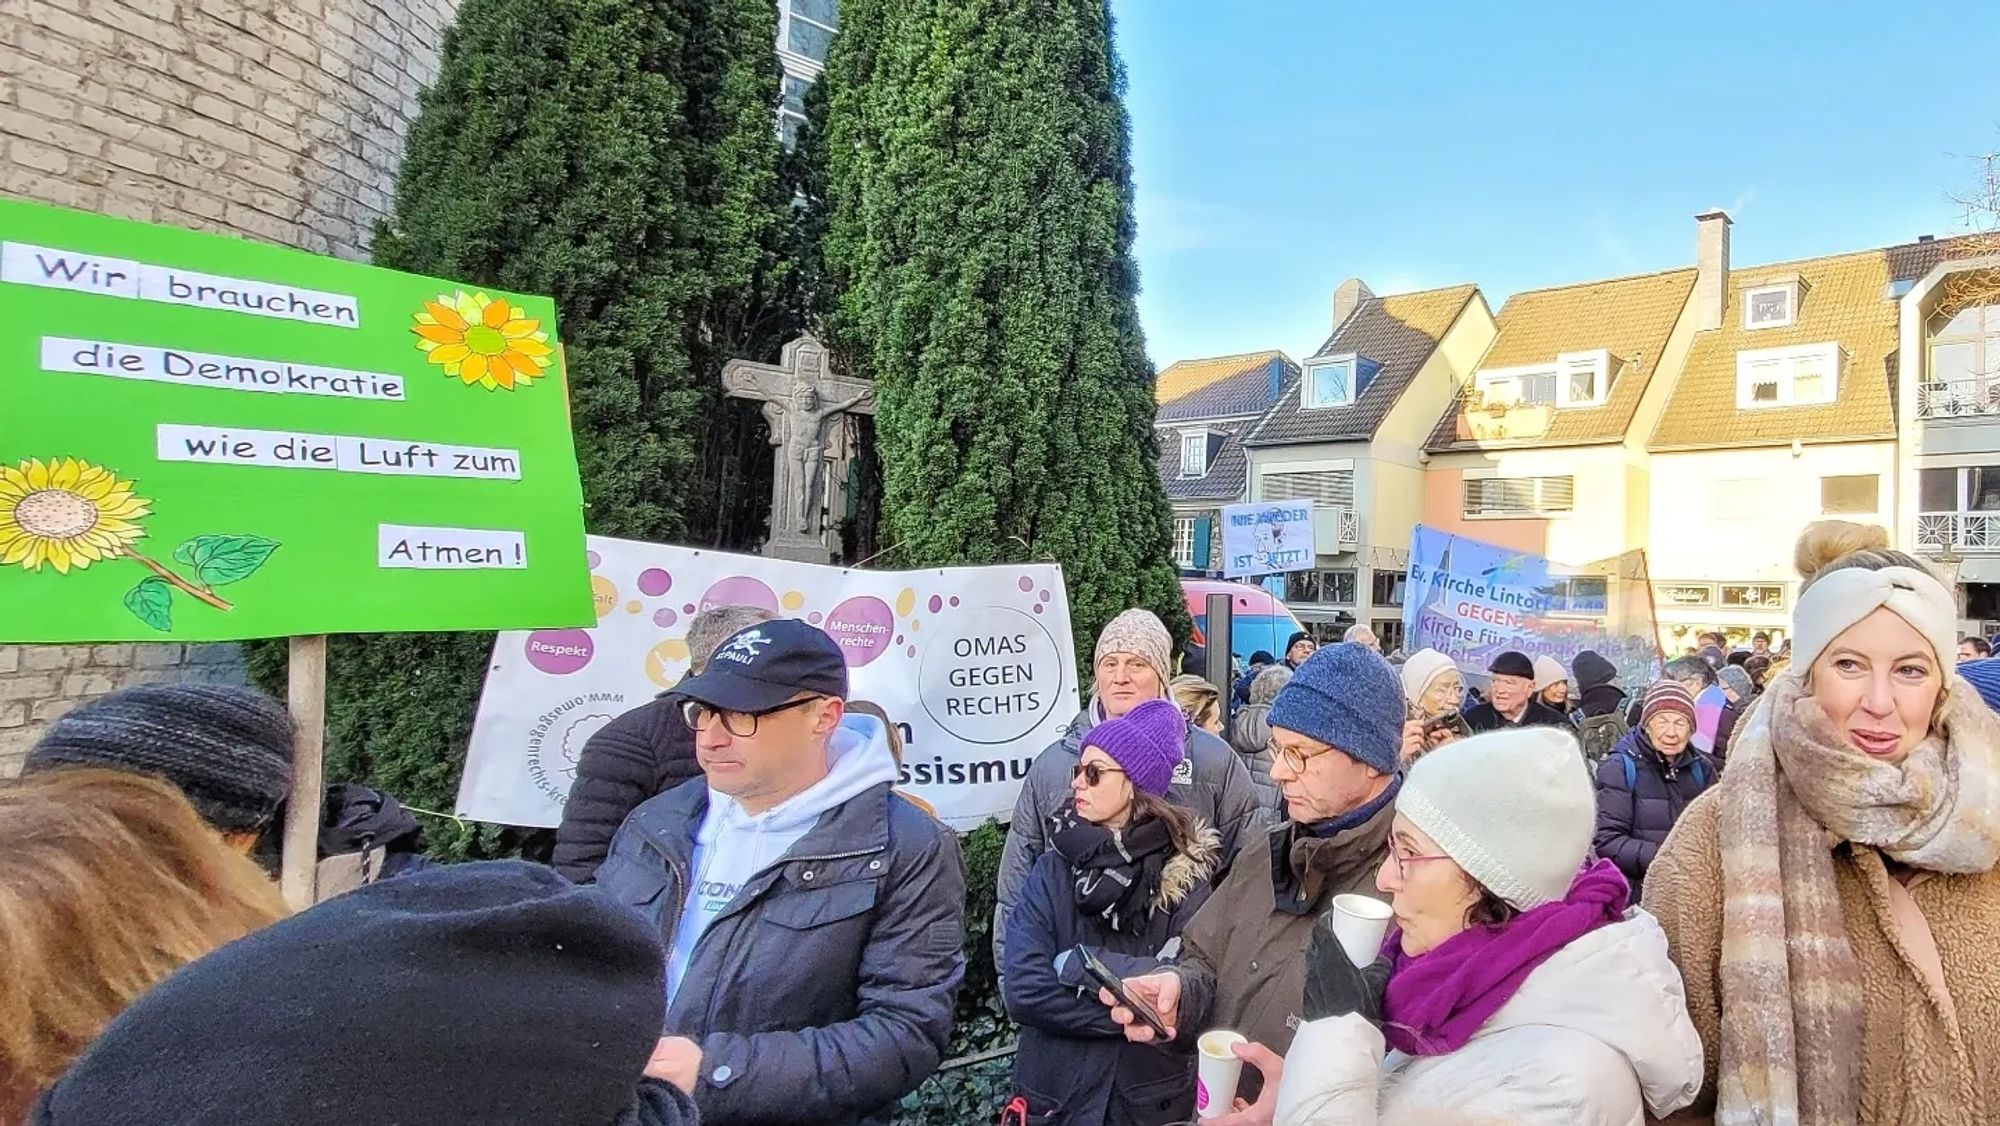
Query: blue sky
point(1281, 146)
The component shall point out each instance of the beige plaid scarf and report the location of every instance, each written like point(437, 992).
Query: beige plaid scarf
point(1791, 988)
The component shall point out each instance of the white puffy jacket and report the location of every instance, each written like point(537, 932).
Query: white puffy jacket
point(1596, 1036)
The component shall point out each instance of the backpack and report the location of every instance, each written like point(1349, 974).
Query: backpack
point(1599, 735)
point(1630, 762)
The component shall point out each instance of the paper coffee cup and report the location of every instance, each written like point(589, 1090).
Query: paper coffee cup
point(1216, 1072)
point(1360, 923)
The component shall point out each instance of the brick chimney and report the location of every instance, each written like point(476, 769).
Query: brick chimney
point(1348, 298)
point(1711, 279)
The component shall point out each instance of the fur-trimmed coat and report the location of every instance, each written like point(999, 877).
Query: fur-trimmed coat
point(1074, 1066)
point(1930, 1057)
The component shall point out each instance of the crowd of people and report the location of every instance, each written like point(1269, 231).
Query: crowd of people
point(1758, 889)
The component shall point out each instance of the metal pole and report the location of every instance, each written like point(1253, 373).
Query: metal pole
point(1220, 643)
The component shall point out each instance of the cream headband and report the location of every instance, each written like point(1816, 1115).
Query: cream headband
point(1841, 598)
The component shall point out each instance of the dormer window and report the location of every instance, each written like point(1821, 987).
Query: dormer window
point(1329, 382)
point(1584, 378)
point(1801, 376)
point(1771, 306)
point(1194, 453)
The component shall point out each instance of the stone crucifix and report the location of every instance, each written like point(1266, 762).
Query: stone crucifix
point(800, 399)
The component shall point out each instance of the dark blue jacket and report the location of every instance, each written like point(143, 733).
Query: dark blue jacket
point(1634, 817)
point(1074, 1066)
point(823, 993)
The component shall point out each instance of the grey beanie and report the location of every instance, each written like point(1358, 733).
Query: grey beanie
point(228, 750)
point(1269, 683)
point(1737, 679)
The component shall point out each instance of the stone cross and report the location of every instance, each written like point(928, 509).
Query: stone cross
point(801, 398)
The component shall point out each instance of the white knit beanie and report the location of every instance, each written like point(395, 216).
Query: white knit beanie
point(1142, 634)
point(1514, 808)
point(1549, 672)
point(1422, 668)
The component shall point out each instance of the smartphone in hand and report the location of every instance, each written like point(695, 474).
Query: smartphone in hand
point(1095, 969)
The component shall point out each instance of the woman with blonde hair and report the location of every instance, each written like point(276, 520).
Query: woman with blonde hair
point(109, 881)
point(1832, 902)
point(1199, 701)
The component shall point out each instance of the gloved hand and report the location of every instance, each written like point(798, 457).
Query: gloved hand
point(1336, 986)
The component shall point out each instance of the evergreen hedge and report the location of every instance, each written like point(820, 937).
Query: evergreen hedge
point(978, 193)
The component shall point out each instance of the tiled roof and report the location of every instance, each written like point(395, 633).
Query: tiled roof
point(1399, 332)
point(1228, 470)
point(1247, 392)
point(1186, 377)
point(1846, 300)
point(1630, 318)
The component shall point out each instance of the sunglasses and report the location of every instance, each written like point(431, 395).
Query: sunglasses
point(698, 716)
point(1092, 772)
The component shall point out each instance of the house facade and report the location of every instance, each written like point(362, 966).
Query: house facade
point(1348, 434)
point(1542, 450)
point(1204, 407)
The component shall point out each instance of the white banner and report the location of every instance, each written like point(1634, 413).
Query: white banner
point(1267, 537)
point(973, 664)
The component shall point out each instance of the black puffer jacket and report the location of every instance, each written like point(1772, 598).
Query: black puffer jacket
point(641, 754)
point(1633, 818)
point(1074, 1066)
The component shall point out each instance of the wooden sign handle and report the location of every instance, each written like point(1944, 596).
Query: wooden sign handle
point(307, 691)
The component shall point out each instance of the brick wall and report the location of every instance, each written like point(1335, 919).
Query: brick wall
point(280, 120)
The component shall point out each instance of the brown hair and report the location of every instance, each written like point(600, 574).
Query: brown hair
point(112, 881)
point(1836, 545)
point(1197, 699)
point(1180, 821)
point(1490, 910)
point(869, 707)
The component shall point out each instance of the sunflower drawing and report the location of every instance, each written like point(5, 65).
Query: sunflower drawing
point(482, 341)
point(66, 513)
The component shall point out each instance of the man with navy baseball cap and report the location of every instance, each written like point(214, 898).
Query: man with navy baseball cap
point(809, 916)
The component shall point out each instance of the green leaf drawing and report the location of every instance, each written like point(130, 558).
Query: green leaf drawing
point(152, 601)
point(225, 559)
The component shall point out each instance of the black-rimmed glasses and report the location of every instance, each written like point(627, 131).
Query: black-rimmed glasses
point(698, 715)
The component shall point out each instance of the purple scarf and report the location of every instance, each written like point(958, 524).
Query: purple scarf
point(1437, 1000)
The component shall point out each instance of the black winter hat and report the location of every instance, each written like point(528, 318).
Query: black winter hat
point(1512, 663)
point(468, 995)
point(1296, 638)
point(1592, 669)
point(229, 750)
point(1262, 657)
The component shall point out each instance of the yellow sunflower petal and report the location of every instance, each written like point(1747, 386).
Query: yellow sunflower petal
point(37, 475)
point(57, 554)
point(13, 480)
point(471, 307)
point(474, 368)
point(450, 353)
point(495, 315)
point(441, 334)
point(530, 347)
point(64, 474)
point(446, 315)
point(519, 327)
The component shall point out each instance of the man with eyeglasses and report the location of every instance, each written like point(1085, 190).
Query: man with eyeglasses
point(1134, 652)
point(1336, 729)
point(814, 923)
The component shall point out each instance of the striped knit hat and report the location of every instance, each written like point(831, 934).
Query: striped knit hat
point(1667, 696)
point(228, 750)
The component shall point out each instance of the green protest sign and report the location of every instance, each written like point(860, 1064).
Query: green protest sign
point(207, 439)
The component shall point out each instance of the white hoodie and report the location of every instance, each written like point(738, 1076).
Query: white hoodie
point(732, 846)
point(1596, 1036)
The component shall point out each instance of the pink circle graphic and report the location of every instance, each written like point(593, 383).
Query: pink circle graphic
point(861, 626)
point(740, 590)
point(653, 582)
point(913, 650)
point(560, 652)
point(899, 639)
point(595, 559)
point(1045, 596)
point(665, 618)
point(1027, 583)
point(954, 600)
point(815, 617)
point(1038, 607)
point(687, 608)
point(936, 603)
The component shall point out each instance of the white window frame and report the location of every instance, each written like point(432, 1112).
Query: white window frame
point(1791, 292)
point(1349, 360)
point(1514, 377)
point(1597, 363)
point(1539, 511)
point(1187, 469)
point(1184, 542)
point(809, 66)
point(1788, 358)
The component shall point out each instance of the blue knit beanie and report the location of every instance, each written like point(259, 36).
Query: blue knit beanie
point(1984, 676)
point(1146, 743)
point(1349, 698)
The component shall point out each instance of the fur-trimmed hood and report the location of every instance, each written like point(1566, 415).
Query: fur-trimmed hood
point(1186, 871)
